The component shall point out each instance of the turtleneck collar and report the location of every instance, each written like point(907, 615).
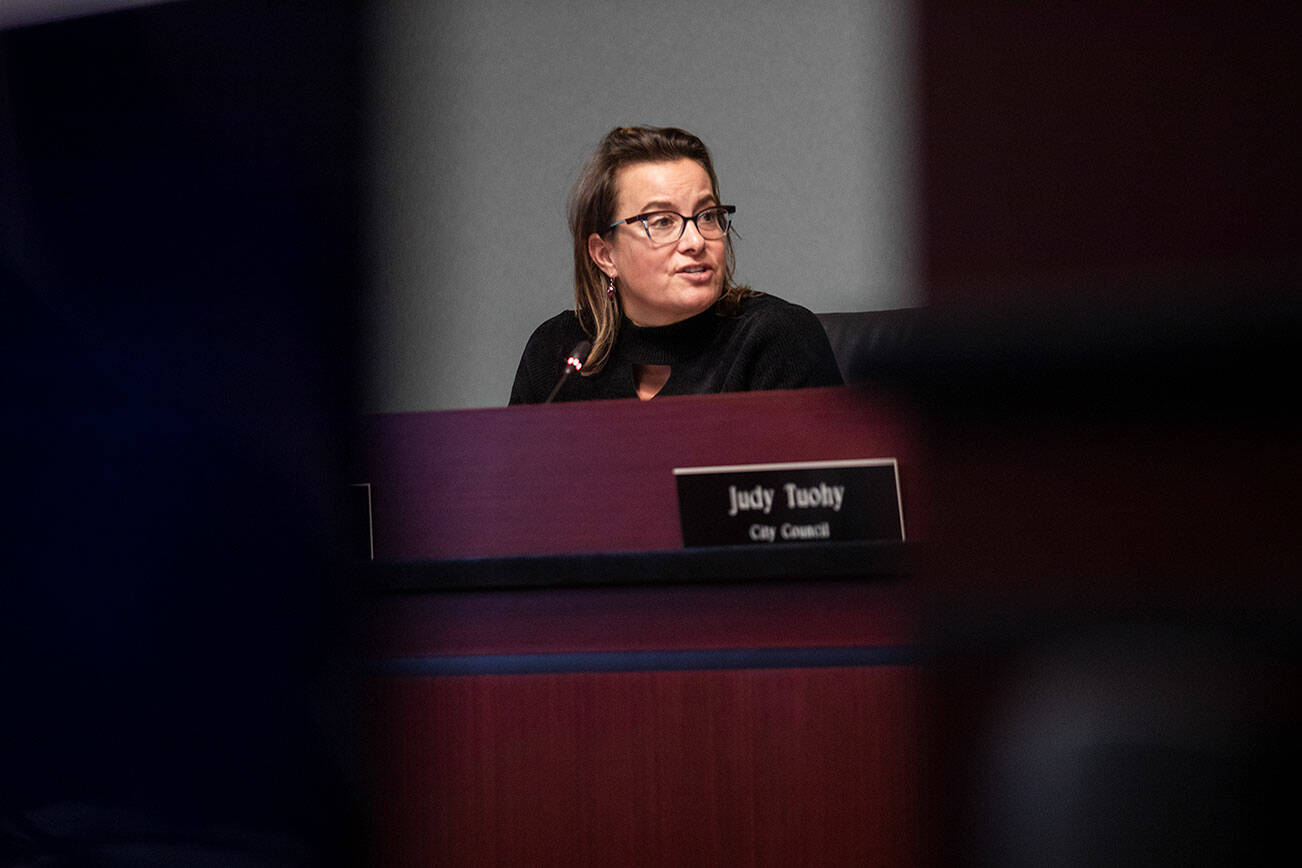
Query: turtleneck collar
point(667, 345)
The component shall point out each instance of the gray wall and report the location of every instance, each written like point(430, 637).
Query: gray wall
point(481, 113)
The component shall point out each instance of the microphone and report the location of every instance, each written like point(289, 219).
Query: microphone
point(578, 356)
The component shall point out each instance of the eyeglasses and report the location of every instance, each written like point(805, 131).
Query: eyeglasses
point(665, 227)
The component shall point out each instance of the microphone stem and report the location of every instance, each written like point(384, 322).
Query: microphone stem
point(560, 382)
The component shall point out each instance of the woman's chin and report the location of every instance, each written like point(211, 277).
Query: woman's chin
point(682, 304)
point(697, 301)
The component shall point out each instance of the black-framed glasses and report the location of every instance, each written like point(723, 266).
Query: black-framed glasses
point(664, 227)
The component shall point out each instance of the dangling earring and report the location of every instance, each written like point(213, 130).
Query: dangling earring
point(610, 288)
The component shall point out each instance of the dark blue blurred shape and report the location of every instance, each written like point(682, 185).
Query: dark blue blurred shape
point(178, 270)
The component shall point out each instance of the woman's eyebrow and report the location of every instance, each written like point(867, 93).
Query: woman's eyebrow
point(665, 205)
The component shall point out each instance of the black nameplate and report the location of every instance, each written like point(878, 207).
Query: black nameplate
point(807, 501)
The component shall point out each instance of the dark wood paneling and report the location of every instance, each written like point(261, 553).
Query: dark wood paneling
point(769, 767)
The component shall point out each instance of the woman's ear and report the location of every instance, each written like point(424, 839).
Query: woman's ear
point(599, 250)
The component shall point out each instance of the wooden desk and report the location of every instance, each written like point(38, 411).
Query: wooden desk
point(567, 685)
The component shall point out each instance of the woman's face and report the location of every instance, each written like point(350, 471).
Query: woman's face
point(666, 283)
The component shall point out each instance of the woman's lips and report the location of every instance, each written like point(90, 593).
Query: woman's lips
point(696, 273)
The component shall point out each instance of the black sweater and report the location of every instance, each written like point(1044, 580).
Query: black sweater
point(768, 344)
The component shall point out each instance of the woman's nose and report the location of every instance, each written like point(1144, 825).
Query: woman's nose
point(691, 239)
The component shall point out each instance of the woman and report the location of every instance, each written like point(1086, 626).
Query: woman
point(653, 288)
